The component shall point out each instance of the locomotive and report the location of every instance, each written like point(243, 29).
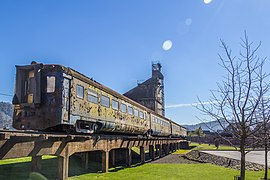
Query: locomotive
point(51, 97)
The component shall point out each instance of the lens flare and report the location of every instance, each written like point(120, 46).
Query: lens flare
point(207, 1)
point(167, 45)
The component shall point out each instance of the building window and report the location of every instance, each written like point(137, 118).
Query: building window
point(130, 110)
point(115, 104)
point(105, 101)
point(136, 113)
point(92, 96)
point(50, 84)
point(123, 108)
point(79, 91)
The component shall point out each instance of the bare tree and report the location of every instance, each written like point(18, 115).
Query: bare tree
point(262, 135)
point(238, 95)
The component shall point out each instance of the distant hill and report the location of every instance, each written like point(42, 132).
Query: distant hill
point(6, 110)
point(207, 126)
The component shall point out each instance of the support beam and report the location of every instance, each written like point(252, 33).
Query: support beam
point(113, 154)
point(156, 151)
point(151, 152)
point(167, 149)
point(105, 161)
point(63, 167)
point(36, 163)
point(128, 157)
point(142, 154)
point(160, 150)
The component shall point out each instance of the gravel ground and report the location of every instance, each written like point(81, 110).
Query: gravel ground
point(173, 159)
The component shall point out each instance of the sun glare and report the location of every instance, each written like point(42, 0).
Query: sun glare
point(167, 45)
point(207, 1)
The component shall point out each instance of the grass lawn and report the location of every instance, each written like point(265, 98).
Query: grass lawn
point(210, 147)
point(20, 169)
point(171, 171)
point(201, 147)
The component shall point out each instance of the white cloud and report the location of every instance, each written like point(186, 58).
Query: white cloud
point(190, 105)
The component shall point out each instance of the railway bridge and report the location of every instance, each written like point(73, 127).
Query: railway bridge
point(16, 144)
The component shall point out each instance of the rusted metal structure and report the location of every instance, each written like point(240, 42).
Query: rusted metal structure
point(150, 93)
point(51, 97)
point(22, 144)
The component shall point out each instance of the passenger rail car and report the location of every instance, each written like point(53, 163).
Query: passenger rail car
point(57, 98)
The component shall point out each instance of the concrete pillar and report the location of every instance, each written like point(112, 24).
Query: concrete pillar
point(113, 157)
point(85, 160)
point(171, 147)
point(151, 152)
point(128, 157)
point(36, 163)
point(163, 149)
point(167, 149)
point(105, 161)
point(142, 154)
point(159, 150)
point(63, 167)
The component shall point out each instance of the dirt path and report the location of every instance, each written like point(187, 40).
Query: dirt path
point(173, 159)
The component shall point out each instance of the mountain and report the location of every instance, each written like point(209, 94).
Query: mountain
point(207, 126)
point(6, 111)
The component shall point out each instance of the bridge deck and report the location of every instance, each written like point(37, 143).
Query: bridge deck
point(15, 144)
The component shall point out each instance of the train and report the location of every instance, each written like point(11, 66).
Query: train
point(51, 97)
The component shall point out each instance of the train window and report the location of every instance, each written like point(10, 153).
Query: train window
point(141, 115)
point(92, 96)
point(105, 101)
point(79, 91)
point(146, 116)
point(130, 110)
point(123, 108)
point(136, 113)
point(115, 104)
point(50, 84)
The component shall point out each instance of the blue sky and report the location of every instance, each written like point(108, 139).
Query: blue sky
point(115, 42)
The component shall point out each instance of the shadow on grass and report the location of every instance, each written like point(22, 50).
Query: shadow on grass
point(22, 170)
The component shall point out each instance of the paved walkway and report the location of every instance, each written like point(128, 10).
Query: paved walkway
point(253, 156)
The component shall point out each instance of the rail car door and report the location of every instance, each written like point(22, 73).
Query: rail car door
point(66, 100)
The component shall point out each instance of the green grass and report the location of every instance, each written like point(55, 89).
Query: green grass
point(182, 151)
point(171, 171)
point(19, 160)
point(20, 169)
point(202, 147)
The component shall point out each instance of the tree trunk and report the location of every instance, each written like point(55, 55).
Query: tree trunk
point(243, 159)
point(265, 159)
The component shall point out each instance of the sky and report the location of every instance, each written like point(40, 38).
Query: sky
point(115, 42)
